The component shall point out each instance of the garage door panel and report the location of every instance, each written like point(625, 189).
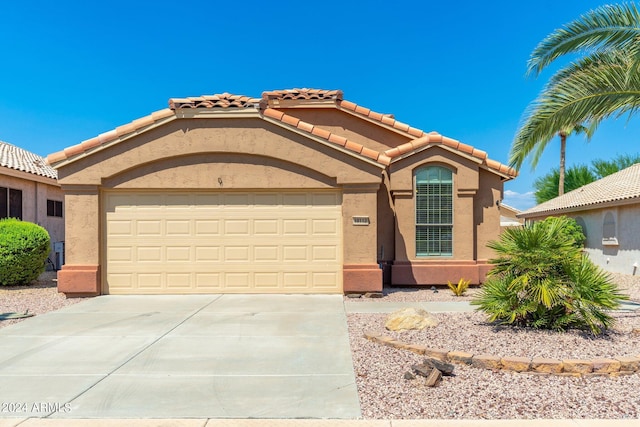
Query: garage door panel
point(223, 242)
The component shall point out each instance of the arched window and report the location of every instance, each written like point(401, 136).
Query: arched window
point(434, 211)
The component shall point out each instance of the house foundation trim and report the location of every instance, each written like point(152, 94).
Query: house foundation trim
point(438, 272)
point(359, 278)
point(79, 280)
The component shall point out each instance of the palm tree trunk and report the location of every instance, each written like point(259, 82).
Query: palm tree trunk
point(563, 149)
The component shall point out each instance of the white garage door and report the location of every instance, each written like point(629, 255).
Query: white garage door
point(181, 243)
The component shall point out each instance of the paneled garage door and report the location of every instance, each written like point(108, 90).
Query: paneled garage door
point(181, 243)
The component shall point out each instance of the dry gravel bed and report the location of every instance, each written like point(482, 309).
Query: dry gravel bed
point(476, 393)
point(471, 393)
point(38, 298)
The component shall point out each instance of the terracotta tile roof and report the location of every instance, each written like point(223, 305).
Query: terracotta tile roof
point(348, 106)
point(324, 134)
point(226, 101)
point(13, 157)
point(223, 100)
point(112, 135)
point(303, 94)
point(618, 187)
point(435, 138)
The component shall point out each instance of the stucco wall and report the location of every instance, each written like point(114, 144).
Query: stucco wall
point(476, 220)
point(487, 213)
point(465, 186)
point(220, 155)
point(614, 258)
point(34, 201)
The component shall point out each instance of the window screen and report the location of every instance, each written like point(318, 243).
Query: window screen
point(434, 212)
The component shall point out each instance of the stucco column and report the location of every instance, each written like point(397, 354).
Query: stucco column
point(81, 273)
point(464, 230)
point(361, 272)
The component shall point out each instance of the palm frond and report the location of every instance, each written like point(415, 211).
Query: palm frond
point(588, 90)
point(609, 27)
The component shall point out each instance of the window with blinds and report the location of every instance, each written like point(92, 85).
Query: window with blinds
point(434, 211)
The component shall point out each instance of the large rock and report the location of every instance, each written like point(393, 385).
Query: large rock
point(410, 318)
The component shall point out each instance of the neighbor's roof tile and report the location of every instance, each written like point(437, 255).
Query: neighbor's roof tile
point(620, 186)
point(17, 158)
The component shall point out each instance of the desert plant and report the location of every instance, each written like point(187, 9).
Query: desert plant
point(460, 288)
point(542, 280)
point(23, 250)
point(570, 228)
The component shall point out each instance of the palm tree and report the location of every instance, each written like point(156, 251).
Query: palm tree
point(604, 82)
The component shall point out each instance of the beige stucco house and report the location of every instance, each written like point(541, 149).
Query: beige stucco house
point(29, 191)
point(509, 217)
point(298, 191)
point(608, 211)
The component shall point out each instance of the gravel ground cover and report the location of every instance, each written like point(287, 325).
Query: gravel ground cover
point(38, 298)
point(472, 393)
point(476, 393)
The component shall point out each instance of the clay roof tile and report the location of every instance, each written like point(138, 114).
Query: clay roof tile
point(17, 158)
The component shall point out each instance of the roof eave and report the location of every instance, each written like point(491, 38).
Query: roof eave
point(581, 208)
point(16, 173)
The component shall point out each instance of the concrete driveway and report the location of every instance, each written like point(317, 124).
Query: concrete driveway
point(209, 356)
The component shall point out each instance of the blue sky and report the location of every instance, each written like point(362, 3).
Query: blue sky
point(74, 69)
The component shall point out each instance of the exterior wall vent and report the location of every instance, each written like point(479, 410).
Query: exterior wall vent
point(360, 220)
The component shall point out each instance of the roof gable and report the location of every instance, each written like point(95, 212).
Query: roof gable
point(618, 188)
point(266, 107)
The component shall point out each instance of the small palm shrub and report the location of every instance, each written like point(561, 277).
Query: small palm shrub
point(541, 279)
point(24, 247)
point(460, 288)
point(570, 228)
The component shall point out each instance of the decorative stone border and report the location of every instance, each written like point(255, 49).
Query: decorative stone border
point(614, 367)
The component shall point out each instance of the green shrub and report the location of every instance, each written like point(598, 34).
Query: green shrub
point(541, 279)
point(460, 288)
point(570, 228)
point(24, 247)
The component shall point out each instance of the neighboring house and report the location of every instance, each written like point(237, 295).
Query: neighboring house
point(609, 212)
point(508, 217)
point(29, 191)
point(298, 191)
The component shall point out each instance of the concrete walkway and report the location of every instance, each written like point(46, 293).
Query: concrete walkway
point(209, 356)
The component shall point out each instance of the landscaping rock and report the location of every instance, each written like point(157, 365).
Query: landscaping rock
point(436, 353)
point(550, 366)
point(629, 363)
point(516, 364)
point(605, 366)
point(434, 378)
point(410, 318)
point(460, 357)
point(445, 368)
point(486, 361)
point(373, 295)
point(576, 366)
point(409, 376)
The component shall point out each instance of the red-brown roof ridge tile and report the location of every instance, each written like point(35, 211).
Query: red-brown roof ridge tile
point(302, 94)
point(221, 100)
